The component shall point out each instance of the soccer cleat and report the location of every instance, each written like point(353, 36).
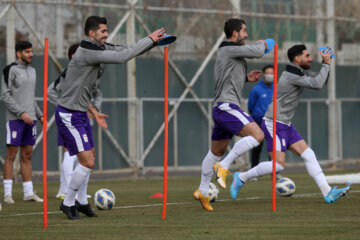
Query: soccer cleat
point(85, 209)
point(236, 185)
point(221, 174)
point(33, 198)
point(61, 195)
point(8, 199)
point(336, 193)
point(71, 212)
point(205, 201)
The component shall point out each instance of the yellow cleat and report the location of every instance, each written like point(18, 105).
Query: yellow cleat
point(205, 201)
point(221, 174)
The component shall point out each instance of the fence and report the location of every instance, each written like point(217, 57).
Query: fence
point(134, 97)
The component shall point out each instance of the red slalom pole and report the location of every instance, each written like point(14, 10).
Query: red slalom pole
point(166, 100)
point(44, 131)
point(274, 128)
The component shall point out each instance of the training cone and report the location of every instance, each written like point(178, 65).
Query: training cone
point(270, 45)
point(325, 48)
point(157, 195)
point(168, 39)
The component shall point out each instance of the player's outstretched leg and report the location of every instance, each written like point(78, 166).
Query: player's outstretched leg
point(205, 201)
point(236, 185)
point(336, 193)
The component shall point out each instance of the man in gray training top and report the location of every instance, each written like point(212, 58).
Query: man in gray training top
point(71, 113)
point(230, 74)
point(18, 94)
point(69, 162)
point(291, 84)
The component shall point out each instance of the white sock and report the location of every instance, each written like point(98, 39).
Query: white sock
point(28, 188)
point(82, 193)
point(8, 187)
point(315, 171)
point(78, 178)
point(261, 169)
point(207, 172)
point(239, 148)
point(63, 185)
point(68, 168)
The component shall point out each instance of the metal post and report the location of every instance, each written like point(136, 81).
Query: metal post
point(176, 137)
point(59, 32)
point(60, 157)
point(10, 35)
point(131, 89)
point(308, 121)
point(319, 26)
point(100, 148)
point(333, 136)
point(209, 123)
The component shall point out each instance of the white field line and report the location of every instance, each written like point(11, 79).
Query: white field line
point(307, 195)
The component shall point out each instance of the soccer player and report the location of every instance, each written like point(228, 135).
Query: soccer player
point(18, 94)
point(83, 71)
point(230, 75)
point(70, 161)
point(291, 84)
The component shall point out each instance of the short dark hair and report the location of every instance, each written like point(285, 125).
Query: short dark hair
point(231, 25)
point(72, 49)
point(22, 45)
point(266, 67)
point(295, 50)
point(92, 23)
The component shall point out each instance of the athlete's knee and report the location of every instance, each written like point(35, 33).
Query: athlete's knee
point(259, 136)
point(282, 163)
point(90, 164)
point(26, 156)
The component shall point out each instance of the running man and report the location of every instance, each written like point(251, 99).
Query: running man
point(83, 71)
point(18, 94)
point(230, 75)
point(291, 84)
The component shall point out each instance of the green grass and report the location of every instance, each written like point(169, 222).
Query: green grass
point(295, 217)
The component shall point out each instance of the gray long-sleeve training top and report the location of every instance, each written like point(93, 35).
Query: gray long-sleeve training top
point(18, 91)
point(86, 67)
point(54, 91)
point(230, 70)
point(290, 87)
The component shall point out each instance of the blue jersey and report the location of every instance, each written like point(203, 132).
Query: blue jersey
point(259, 100)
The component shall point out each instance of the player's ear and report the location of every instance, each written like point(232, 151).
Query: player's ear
point(234, 33)
point(91, 33)
point(297, 59)
point(18, 54)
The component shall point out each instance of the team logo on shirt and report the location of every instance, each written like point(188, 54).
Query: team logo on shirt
point(14, 134)
point(85, 138)
point(283, 142)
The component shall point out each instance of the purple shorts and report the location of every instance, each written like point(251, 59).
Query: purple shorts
point(60, 140)
point(18, 133)
point(229, 119)
point(74, 129)
point(286, 135)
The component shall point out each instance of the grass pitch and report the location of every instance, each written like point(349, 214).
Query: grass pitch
point(305, 215)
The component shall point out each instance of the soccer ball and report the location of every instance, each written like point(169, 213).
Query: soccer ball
point(104, 199)
point(285, 187)
point(213, 192)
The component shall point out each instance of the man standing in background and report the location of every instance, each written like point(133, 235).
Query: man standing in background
point(259, 100)
point(18, 94)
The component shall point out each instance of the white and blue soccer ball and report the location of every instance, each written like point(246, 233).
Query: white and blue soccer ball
point(104, 199)
point(213, 192)
point(285, 187)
